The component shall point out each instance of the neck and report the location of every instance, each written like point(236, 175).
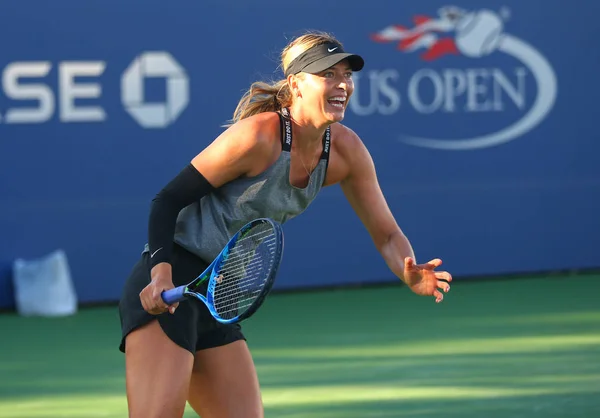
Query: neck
point(308, 132)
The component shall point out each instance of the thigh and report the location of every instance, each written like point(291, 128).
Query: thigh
point(224, 383)
point(158, 373)
point(181, 327)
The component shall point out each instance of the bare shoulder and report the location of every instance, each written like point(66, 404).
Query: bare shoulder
point(245, 148)
point(261, 130)
point(347, 142)
point(264, 134)
point(349, 154)
point(266, 123)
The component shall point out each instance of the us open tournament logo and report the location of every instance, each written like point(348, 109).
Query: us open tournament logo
point(468, 73)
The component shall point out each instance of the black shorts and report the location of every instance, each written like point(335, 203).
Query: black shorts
point(191, 326)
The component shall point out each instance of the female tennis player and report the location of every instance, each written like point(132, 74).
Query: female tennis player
point(285, 142)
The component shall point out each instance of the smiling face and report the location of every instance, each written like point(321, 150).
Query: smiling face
point(324, 96)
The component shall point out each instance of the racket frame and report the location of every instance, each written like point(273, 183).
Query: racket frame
point(211, 273)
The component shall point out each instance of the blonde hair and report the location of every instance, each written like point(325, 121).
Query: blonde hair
point(271, 97)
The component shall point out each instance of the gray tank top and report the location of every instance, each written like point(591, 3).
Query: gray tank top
point(204, 227)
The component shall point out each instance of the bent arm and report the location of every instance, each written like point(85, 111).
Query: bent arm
point(183, 190)
point(364, 194)
point(236, 152)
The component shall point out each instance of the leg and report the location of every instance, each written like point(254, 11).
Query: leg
point(157, 373)
point(224, 383)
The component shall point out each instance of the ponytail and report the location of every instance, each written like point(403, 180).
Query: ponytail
point(262, 97)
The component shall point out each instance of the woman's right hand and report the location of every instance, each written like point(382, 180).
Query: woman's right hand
point(161, 279)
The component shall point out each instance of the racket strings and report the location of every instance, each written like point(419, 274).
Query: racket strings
point(245, 272)
point(235, 292)
point(228, 291)
point(239, 266)
point(229, 288)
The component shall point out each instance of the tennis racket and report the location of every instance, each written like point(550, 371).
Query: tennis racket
point(241, 276)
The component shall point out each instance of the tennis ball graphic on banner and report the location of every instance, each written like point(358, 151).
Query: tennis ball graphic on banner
point(472, 71)
point(478, 34)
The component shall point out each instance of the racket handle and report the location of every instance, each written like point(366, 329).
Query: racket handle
point(173, 295)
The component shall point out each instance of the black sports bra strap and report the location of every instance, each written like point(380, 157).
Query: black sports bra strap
point(286, 135)
point(325, 153)
point(286, 130)
point(326, 144)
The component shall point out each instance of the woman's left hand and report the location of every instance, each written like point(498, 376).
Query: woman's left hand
point(424, 281)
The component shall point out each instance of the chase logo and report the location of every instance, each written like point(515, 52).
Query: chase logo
point(510, 93)
point(37, 91)
point(154, 64)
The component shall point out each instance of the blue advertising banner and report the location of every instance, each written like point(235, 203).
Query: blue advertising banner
point(481, 122)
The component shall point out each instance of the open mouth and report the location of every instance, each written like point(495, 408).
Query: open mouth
point(337, 101)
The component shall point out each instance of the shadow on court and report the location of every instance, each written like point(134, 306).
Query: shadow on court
point(514, 348)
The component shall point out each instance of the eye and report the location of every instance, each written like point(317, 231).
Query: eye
point(328, 74)
point(348, 74)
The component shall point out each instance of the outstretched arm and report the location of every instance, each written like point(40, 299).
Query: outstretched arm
point(362, 190)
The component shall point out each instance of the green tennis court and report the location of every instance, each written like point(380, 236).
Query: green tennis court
point(526, 347)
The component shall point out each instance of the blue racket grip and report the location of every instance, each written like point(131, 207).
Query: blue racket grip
point(173, 295)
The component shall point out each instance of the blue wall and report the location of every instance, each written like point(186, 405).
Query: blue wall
point(484, 136)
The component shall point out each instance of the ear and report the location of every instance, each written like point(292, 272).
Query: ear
point(293, 83)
